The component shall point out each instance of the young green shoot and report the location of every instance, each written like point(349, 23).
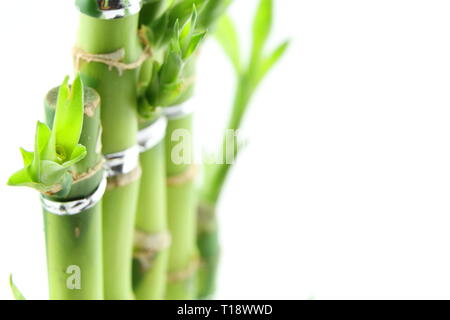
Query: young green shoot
point(56, 150)
point(249, 75)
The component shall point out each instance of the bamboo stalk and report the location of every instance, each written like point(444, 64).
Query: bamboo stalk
point(176, 37)
point(249, 77)
point(209, 248)
point(152, 238)
point(117, 89)
point(74, 243)
point(181, 204)
point(150, 261)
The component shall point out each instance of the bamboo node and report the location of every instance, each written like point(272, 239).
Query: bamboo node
point(91, 107)
point(206, 218)
point(114, 59)
point(187, 176)
point(147, 246)
point(182, 275)
point(78, 177)
point(53, 190)
point(124, 179)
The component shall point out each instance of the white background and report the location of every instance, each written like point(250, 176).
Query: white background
point(343, 191)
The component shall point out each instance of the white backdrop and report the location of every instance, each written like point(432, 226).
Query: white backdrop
point(343, 191)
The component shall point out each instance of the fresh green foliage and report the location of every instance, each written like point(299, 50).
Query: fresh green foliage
point(15, 291)
point(89, 7)
point(212, 11)
point(249, 75)
point(177, 33)
point(168, 80)
point(47, 168)
point(228, 38)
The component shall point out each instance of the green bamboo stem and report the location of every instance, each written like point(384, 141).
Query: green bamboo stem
point(208, 232)
point(119, 120)
point(74, 243)
point(149, 282)
point(181, 202)
point(209, 248)
point(119, 208)
point(249, 77)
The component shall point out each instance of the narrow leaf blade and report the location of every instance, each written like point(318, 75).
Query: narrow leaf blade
point(262, 26)
point(69, 115)
point(272, 59)
point(227, 37)
point(16, 292)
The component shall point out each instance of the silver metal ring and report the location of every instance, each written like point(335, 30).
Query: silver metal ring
point(151, 136)
point(178, 112)
point(123, 162)
point(109, 9)
point(71, 208)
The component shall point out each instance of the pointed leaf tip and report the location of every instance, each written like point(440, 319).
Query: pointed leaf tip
point(272, 59)
point(15, 291)
point(228, 38)
point(262, 26)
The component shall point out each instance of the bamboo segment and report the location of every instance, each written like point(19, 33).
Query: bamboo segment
point(74, 255)
point(209, 247)
point(74, 243)
point(117, 89)
point(181, 202)
point(150, 274)
point(118, 232)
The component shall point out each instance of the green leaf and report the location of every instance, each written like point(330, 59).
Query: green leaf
point(227, 37)
point(27, 157)
point(78, 154)
point(193, 44)
point(88, 7)
point(43, 149)
point(20, 178)
point(55, 151)
point(68, 121)
point(262, 26)
point(272, 59)
point(51, 173)
point(212, 12)
point(188, 27)
point(171, 69)
point(16, 292)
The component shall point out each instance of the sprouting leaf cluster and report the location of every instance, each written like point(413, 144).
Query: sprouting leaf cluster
point(177, 31)
point(57, 149)
point(169, 75)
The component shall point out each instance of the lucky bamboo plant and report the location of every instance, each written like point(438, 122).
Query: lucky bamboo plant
point(248, 77)
point(175, 36)
point(118, 184)
point(66, 166)
point(108, 55)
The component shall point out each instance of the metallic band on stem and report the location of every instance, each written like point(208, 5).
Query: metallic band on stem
point(109, 9)
point(121, 163)
point(178, 112)
point(151, 136)
point(71, 208)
